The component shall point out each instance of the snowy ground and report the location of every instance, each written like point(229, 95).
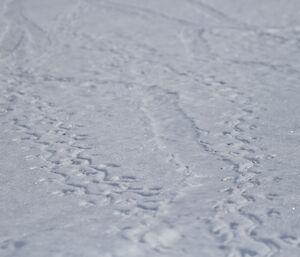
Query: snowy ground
point(137, 128)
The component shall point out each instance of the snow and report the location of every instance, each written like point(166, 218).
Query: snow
point(149, 128)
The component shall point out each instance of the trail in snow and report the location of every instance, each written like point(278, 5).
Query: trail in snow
point(165, 128)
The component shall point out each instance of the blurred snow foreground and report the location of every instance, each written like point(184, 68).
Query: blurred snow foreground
point(149, 128)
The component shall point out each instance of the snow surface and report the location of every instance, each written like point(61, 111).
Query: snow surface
point(149, 128)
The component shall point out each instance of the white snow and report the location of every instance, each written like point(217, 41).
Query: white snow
point(149, 128)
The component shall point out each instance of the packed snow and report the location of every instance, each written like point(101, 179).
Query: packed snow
point(134, 128)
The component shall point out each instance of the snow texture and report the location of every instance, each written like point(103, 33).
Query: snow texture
point(149, 128)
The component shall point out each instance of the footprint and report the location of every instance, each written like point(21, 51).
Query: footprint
point(273, 213)
point(289, 239)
